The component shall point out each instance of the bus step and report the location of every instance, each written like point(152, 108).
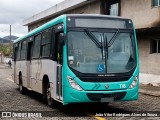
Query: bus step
point(59, 98)
point(29, 89)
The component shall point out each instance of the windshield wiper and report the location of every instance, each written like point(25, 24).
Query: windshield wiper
point(102, 48)
point(93, 38)
point(113, 38)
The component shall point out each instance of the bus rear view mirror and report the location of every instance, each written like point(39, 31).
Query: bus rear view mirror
point(61, 38)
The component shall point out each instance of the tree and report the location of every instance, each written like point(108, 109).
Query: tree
point(5, 48)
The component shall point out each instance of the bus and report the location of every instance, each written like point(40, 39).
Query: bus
point(79, 58)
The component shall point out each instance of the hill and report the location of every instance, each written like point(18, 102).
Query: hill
point(2, 40)
point(6, 39)
point(12, 37)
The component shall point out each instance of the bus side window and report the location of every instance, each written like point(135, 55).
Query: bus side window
point(36, 46)
point(29, 48)
point(18, 56)
point(46, 43)
point(23, 50)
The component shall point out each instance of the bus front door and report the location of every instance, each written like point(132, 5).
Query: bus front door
point(59, 66)
point(59, 81)
point(29, 63)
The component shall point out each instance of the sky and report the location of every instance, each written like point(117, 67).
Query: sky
point(14, 12)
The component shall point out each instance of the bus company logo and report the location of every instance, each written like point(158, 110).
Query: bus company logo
point(6, 114)
point(107, 86)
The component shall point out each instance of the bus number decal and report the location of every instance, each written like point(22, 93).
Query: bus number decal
point(122, 85)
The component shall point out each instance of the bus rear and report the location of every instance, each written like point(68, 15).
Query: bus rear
point(100, 60)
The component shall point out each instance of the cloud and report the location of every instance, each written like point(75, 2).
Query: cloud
point(16, 29)
point(12, 11)
point(15, 11)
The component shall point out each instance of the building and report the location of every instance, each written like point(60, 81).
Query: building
point(144, 13)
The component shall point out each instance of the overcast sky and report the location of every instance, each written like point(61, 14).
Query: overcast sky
point(13, 12)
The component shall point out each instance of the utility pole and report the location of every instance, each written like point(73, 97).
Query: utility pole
point(10, 40)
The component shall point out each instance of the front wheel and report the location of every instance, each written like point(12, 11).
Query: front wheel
point(50, 101)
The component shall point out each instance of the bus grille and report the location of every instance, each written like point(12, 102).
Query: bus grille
point(98, 96)
point(104, 79)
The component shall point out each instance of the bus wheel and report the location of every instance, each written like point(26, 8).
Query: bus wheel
point(21, 88)
point(50, 101)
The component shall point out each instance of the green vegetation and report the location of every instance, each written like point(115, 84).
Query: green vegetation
point(5, 49)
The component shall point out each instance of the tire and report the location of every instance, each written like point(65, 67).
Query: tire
point(21, 88)
point(47, 96)
point(50, 101)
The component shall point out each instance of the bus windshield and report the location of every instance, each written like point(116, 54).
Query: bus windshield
point(101, 52)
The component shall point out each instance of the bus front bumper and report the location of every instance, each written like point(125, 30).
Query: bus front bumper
point(74, 96)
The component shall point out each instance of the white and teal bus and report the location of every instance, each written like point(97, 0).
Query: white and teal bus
point(79, 58)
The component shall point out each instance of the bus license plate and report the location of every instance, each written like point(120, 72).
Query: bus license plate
point(107, 99)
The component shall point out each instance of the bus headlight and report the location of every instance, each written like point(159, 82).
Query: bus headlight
point(73, 83)
point(134, 83)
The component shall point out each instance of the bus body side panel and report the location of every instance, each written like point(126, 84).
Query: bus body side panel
point(41, 67)
point(47, 67)
point(17, 71)
point(14, 72)
point(24, 72)
point(29, 74)
point(21, 68)
point(36, 71)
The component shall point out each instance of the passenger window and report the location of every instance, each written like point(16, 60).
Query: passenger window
point(36, 47)
point(23, 51)
point(46, 43)
point(19, 52)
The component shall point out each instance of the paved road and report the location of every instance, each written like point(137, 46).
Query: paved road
point(12, 100)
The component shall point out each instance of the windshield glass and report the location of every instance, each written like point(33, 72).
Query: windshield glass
point(99, 52)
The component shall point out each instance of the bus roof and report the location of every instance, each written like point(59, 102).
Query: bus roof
point(62, 18)
point(96, 15)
